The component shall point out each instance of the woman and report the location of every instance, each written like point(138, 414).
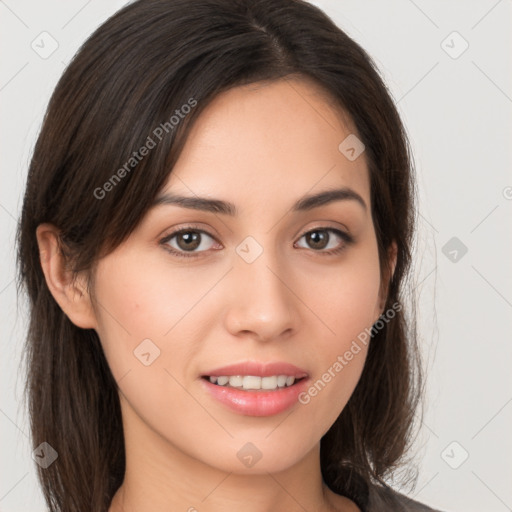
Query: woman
point(215, 235)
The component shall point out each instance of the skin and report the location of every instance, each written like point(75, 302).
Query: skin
point(261, 147)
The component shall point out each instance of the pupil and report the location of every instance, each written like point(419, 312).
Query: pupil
point(191, 240)
point(318, 239)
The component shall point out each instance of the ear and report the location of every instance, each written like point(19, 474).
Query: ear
point(387, 276)
point(71, 294)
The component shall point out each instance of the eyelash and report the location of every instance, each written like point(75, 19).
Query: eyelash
point(348, 240)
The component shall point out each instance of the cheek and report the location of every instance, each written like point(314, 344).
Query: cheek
point(149, 332)
point(345, 297)
point(347, 305)
point(143, 300)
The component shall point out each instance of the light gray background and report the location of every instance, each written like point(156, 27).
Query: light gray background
point(458, 115)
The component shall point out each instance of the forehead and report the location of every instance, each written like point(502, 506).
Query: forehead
point(269, 140)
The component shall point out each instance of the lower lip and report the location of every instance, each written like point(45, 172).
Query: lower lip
point(257, 403)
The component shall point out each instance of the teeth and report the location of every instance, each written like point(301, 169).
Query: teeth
point(269, 382)
point(251, 382)
point(236, 381)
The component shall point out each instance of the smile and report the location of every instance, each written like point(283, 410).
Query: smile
point(254, 388)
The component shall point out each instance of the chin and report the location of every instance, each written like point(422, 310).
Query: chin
point(257, 454)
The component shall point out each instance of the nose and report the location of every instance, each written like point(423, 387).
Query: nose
point(262, 304)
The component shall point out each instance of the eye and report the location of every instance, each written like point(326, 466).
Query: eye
point(186, 242)
point(321, 239)
point(189, 241)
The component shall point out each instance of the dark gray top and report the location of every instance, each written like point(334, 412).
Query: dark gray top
point(378, 498)
point(384, 500)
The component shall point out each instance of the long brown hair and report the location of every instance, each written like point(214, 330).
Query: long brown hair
point(129, 77)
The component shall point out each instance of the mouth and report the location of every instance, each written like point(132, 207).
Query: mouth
point(256, 389)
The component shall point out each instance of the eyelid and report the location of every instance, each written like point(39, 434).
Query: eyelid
point(325, 226)
point(187, 227)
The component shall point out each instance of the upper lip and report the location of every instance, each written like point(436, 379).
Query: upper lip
point(258, 369)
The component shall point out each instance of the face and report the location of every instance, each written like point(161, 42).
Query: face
point(276, 290)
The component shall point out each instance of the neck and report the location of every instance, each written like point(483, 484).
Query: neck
point(160, 477)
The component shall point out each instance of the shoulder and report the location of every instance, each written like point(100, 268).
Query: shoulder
point(377, 497)
point(383, 499)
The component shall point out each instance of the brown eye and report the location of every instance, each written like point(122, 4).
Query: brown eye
point(326, 240)
point(188, 242)
point(317, 239)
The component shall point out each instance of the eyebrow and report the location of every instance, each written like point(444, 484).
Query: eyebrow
point(305, 203)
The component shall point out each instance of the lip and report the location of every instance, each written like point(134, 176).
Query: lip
point(257, 402)
point(258, 369)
